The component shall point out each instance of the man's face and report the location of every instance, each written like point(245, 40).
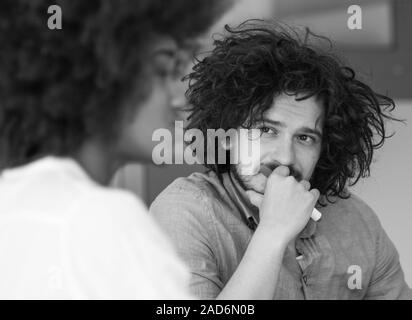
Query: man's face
point(166, 64)
point(291, 135)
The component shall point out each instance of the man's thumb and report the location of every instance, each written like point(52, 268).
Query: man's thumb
point(255, 198)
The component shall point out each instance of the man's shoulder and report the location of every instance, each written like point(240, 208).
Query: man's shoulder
point(197, 186)
point(351, 211)
point(193, 198)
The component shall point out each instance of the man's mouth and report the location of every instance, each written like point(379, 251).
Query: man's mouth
point(266, 169)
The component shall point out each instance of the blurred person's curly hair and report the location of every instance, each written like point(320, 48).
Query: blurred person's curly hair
point(59, 87)
point(257, 61)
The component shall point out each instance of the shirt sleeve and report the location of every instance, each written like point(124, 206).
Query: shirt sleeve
point(186, 217)
point(388, 282)
point(114, 250)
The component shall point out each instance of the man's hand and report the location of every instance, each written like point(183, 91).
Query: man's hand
point(286, 205)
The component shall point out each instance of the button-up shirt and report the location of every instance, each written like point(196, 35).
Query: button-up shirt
point(345, 255)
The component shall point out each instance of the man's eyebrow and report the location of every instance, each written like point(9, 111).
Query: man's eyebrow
point(283, 125)
point(272, 122)
point(312, 131)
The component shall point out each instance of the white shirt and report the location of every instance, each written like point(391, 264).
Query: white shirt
point(62, 236)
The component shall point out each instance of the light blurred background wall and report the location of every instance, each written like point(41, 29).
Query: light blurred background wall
point(382, 53)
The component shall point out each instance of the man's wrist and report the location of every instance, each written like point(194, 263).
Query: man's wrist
point(273, 240)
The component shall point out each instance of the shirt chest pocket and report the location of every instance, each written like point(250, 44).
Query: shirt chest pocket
point(334, 271)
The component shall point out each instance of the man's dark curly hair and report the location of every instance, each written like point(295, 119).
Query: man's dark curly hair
point(254, 63)
point(59, 87)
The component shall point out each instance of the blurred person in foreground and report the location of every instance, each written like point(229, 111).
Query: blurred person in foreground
point(75, 105)
point(251, 236)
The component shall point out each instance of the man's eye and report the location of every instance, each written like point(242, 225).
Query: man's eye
point(266, 130)
point(306, 138)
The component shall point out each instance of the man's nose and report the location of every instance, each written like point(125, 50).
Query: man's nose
point(284, 153)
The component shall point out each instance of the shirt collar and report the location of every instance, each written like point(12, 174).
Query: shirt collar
point(249, 212)
point(238, 195)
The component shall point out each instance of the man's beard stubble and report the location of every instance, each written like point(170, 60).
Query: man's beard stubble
point(245, 181)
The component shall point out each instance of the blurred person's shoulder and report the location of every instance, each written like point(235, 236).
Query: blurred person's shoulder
point(110, 202)
point(111, 211)
point(116, 223)
point(102, 239)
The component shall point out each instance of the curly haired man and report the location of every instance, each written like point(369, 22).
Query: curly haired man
point(251, 236)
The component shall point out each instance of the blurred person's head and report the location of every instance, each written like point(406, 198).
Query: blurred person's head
point(101, 84)
point(314, 115)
